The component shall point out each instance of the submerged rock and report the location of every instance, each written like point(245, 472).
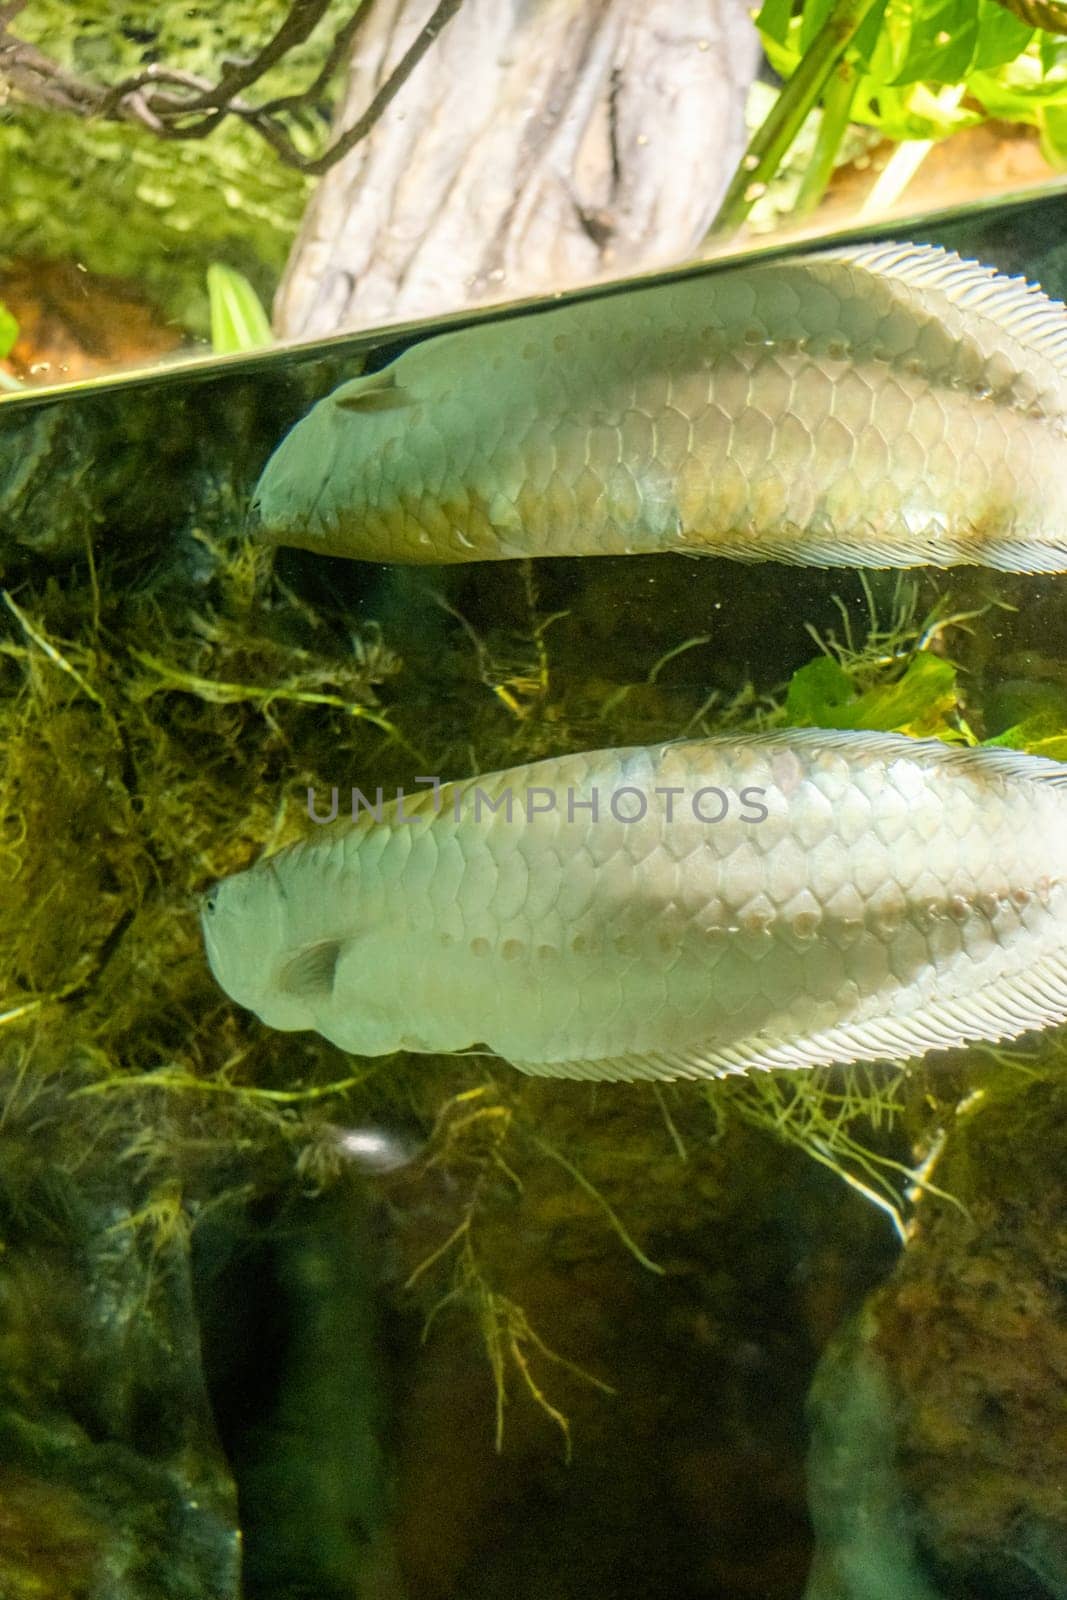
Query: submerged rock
point(112, 1481)
point(939, 1431)
point(866, 1547)
point(291, 1314)
point(195, 1395)
point(138, 464)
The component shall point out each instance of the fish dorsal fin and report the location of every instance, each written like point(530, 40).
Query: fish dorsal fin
point(1018, 308)
point(977, 761)
point(309, 975)
point(1036, 998)
point(379, 391)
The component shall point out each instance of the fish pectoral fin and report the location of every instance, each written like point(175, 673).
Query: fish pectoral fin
point(310, 974)
point(378, 392)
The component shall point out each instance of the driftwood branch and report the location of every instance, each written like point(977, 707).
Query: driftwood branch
point(1048, 14)
point(551, 144)
point(174, 104)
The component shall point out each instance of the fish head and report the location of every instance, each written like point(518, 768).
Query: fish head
point(318, 483)
point(285, 501)
point(246, 936)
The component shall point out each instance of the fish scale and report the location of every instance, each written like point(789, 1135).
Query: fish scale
point(897, 896)
point(886, 406)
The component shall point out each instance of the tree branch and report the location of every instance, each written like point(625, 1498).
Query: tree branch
point(164, 99)
point(443, 14)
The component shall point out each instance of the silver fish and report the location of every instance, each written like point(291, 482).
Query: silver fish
point(681, 910)
point(889, 406)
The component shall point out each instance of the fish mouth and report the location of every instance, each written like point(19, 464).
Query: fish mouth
point(254, 519)
point(275, 515)
point(257, 529)
point(211, 947)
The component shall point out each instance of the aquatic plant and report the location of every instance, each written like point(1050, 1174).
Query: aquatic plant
point(473, 1131)
point(914, 70)
point(238, 320)
point(840, 1118)
point(897, 678)
point(9, 330)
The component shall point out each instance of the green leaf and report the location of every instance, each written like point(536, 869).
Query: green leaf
point(238, 320)
point(818, 691)
point(774, 19)
point(9, 330)
point(910, 112)
point(917, 703)
point(889, 46)
point(941, 42)
point(1020, 87)
point(1002, 37)
point(1052, 50)
point(950, 39)
point(866, 40)
point(1043, 734)
point(944, 37)
point(1014, 99)
point(784, 58)
point(1053, 124)
point(822, 695)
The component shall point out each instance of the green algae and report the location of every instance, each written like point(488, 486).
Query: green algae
point(124, 202)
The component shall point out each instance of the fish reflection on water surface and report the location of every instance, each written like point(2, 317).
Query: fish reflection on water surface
point(889, 405)
point(897, 896)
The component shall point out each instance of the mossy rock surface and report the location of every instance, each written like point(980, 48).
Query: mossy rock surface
point(138, 468)
point(122, 201)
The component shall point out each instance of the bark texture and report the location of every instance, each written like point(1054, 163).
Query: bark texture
point(539, 144)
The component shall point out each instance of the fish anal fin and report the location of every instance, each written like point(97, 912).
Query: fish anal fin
point(1032, 999)
point(655, 1066)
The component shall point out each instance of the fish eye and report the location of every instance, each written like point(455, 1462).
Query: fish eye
point(211, 900)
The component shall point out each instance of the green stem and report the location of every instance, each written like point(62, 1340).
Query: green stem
point(771, 141)
point(836, 110)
